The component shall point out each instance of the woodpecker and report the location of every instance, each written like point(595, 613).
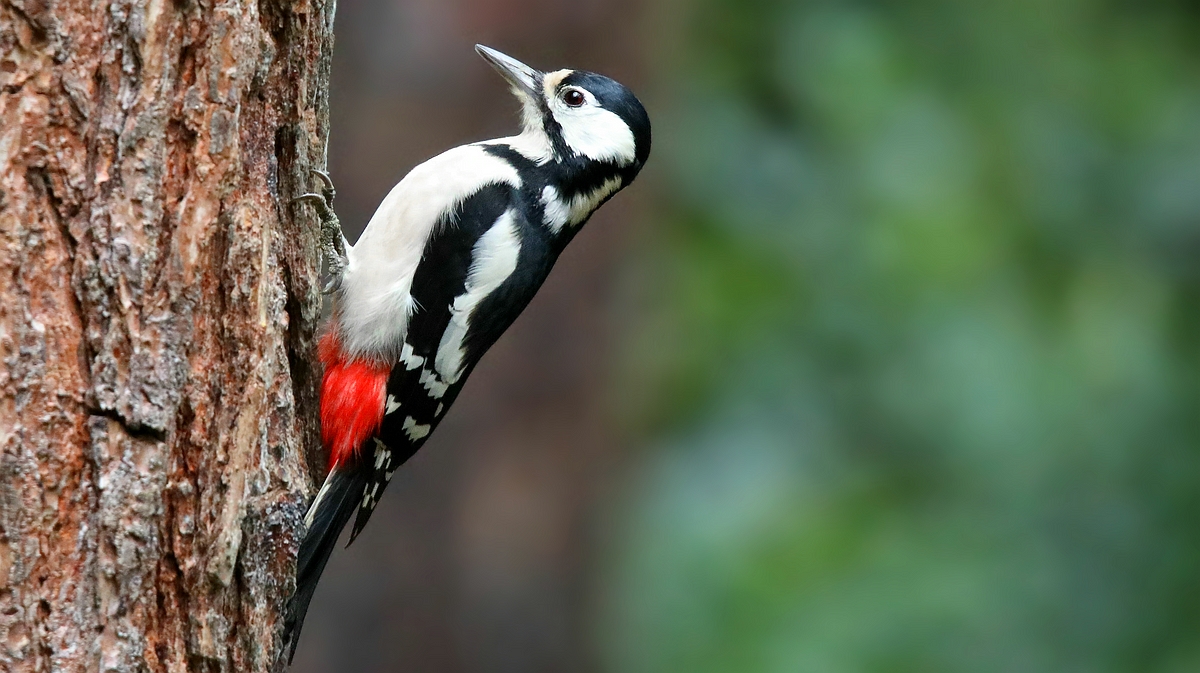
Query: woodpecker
point(450, 258)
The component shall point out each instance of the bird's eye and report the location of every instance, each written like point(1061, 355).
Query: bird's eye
point(573, 98)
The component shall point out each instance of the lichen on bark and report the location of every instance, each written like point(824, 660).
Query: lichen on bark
point(158, 298)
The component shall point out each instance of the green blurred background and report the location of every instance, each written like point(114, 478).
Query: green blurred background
point(889, 362)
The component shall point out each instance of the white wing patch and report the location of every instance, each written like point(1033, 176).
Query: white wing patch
point(375, 296)
point(414, 430)
point(411, 361)
point(383, 455)
point(383, 461)
point(493, 260)
point(433, 385)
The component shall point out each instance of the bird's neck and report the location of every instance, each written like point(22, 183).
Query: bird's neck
point(533, 145)
point(574, 191)
point(569, 185)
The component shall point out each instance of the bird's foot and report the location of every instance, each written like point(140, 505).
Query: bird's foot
point(327, 189)
point(333, 243)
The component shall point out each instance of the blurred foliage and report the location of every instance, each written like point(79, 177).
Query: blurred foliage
point(923, 371)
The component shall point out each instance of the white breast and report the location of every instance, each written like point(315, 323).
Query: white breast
point(375, 297)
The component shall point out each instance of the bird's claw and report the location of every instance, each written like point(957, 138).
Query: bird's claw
point(327, 189)
point(317, 200)
point(333, 243)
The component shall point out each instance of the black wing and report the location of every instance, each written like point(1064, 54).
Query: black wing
point(417, 396)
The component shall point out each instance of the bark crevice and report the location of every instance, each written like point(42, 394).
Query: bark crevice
point(134, 431)
point(157, 386)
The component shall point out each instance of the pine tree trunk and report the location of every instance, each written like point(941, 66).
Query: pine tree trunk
point(158, 298)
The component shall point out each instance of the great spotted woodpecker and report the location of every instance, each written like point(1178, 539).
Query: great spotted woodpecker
point(454, 253)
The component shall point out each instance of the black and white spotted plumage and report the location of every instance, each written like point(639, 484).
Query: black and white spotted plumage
point(449, 260)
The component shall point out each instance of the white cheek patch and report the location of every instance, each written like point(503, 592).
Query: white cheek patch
point(596, 133)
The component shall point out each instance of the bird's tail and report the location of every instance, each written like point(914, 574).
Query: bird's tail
point(335, 503)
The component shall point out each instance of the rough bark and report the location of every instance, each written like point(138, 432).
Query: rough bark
point(158, 297)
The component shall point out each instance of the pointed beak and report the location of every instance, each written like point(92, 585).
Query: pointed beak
point(522, 77)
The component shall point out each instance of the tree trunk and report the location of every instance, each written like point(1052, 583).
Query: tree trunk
point(158, 298)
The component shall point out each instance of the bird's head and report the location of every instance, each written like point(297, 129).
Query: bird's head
point(583, 117)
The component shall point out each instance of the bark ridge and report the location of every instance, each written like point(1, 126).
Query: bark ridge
point(158, 298)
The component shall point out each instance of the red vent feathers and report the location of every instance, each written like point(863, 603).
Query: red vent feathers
point(352, 400)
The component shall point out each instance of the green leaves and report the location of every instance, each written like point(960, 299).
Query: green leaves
point(923, 359)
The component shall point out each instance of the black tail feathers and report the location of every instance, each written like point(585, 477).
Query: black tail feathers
point(337, 500)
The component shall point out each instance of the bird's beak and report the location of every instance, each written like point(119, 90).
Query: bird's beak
point(522, 77)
